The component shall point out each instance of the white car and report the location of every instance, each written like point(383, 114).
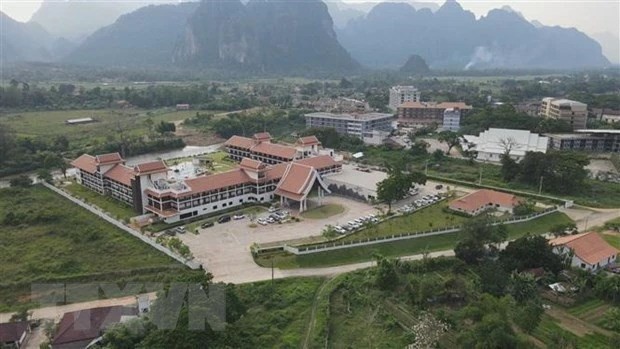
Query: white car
point(238, 217)
point(262, 221)
point(272, 209)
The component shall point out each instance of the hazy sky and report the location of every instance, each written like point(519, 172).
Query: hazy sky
point(590, 16)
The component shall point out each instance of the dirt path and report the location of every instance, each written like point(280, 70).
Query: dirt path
point(315, 304)
point(56, 312)
point(588, 218)
point(574, 324)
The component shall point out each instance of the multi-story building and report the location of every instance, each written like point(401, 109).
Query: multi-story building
point(252, 182)
point(260, 148)
point(402, 94)
point(107, 174)
point(451, 119)
point(598, 141)
point(573, 112)
point(359, 125)
point(416, 114)
point(151, 188)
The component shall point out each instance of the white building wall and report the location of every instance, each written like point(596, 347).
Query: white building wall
point(214, 207)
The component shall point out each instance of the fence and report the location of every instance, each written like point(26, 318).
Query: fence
point(190, 263)
point(301, 250)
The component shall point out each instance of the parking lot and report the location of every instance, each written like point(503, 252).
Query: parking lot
point(224, 249)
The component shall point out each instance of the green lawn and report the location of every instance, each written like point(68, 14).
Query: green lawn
point(428, 218)
point(613, 240)
point(46, 238)
point(115, 208)
point(399, 248)
point(324, 211)
point(52, 123)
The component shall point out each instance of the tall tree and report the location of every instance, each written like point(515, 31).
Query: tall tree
point(396, 186)
point(450, 138)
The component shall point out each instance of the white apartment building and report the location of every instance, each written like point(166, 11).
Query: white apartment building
point(573, 112)
point(402, 94)
point(359, 125)
point(451, 119)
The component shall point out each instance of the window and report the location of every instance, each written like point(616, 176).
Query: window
point(215, 207)
point(583, 265)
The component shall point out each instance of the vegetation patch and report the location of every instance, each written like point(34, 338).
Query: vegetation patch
point(46, 238)
point(113, 207)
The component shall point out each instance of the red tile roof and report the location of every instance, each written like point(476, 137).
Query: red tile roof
point(86, 163)
point(308, 140)
point(319, 162)
point(216, 181)
point(589, 247)
point(474, 201)
point(296, 180)
point(87, 324)
point(252, 164)
point(121, 174)
point(262, 136)
point(12, 331)
point(240, 142)
point(275, 150)
point(109, 158)
point(151, 167)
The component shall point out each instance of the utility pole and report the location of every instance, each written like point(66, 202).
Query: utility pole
point(272, 273)
point(480, 179)
point(426, 167)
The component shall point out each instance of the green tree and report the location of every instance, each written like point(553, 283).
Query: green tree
point(387, 275)
point(21, 181)
point(480, 239)
point(397, 185)
point(165, 127)
point(510, 168)
point(44, 175)
point(451, 139)
point(530, 251)
point(611, 319)
point(522, 287)
point(528, 316)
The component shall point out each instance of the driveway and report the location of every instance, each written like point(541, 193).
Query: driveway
point(224, 249)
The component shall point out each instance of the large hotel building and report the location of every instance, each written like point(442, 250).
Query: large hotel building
point(266, 172)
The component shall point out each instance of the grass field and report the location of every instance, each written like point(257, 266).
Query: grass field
point(277, 314)
point(400, 248)
point(49, 239)
point(115, 208)
point(52, 123)
point(324, 211)
point(428, 218)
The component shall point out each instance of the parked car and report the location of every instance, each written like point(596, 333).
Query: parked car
point(171, 232)
point(180, 230)
point(207, 224)
point(238, 217)
point(262, 221)
point(272, 209)
point(339, 229)
point(270, 220)
point(223, 219)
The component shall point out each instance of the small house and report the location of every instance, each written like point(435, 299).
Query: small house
point(587, 251)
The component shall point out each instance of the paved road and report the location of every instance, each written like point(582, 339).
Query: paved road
point(56, 312)
point(586, 217)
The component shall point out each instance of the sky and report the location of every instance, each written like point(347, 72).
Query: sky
point(590, 16)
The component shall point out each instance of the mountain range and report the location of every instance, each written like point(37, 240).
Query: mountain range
point(274, 36)
point(453, 38)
